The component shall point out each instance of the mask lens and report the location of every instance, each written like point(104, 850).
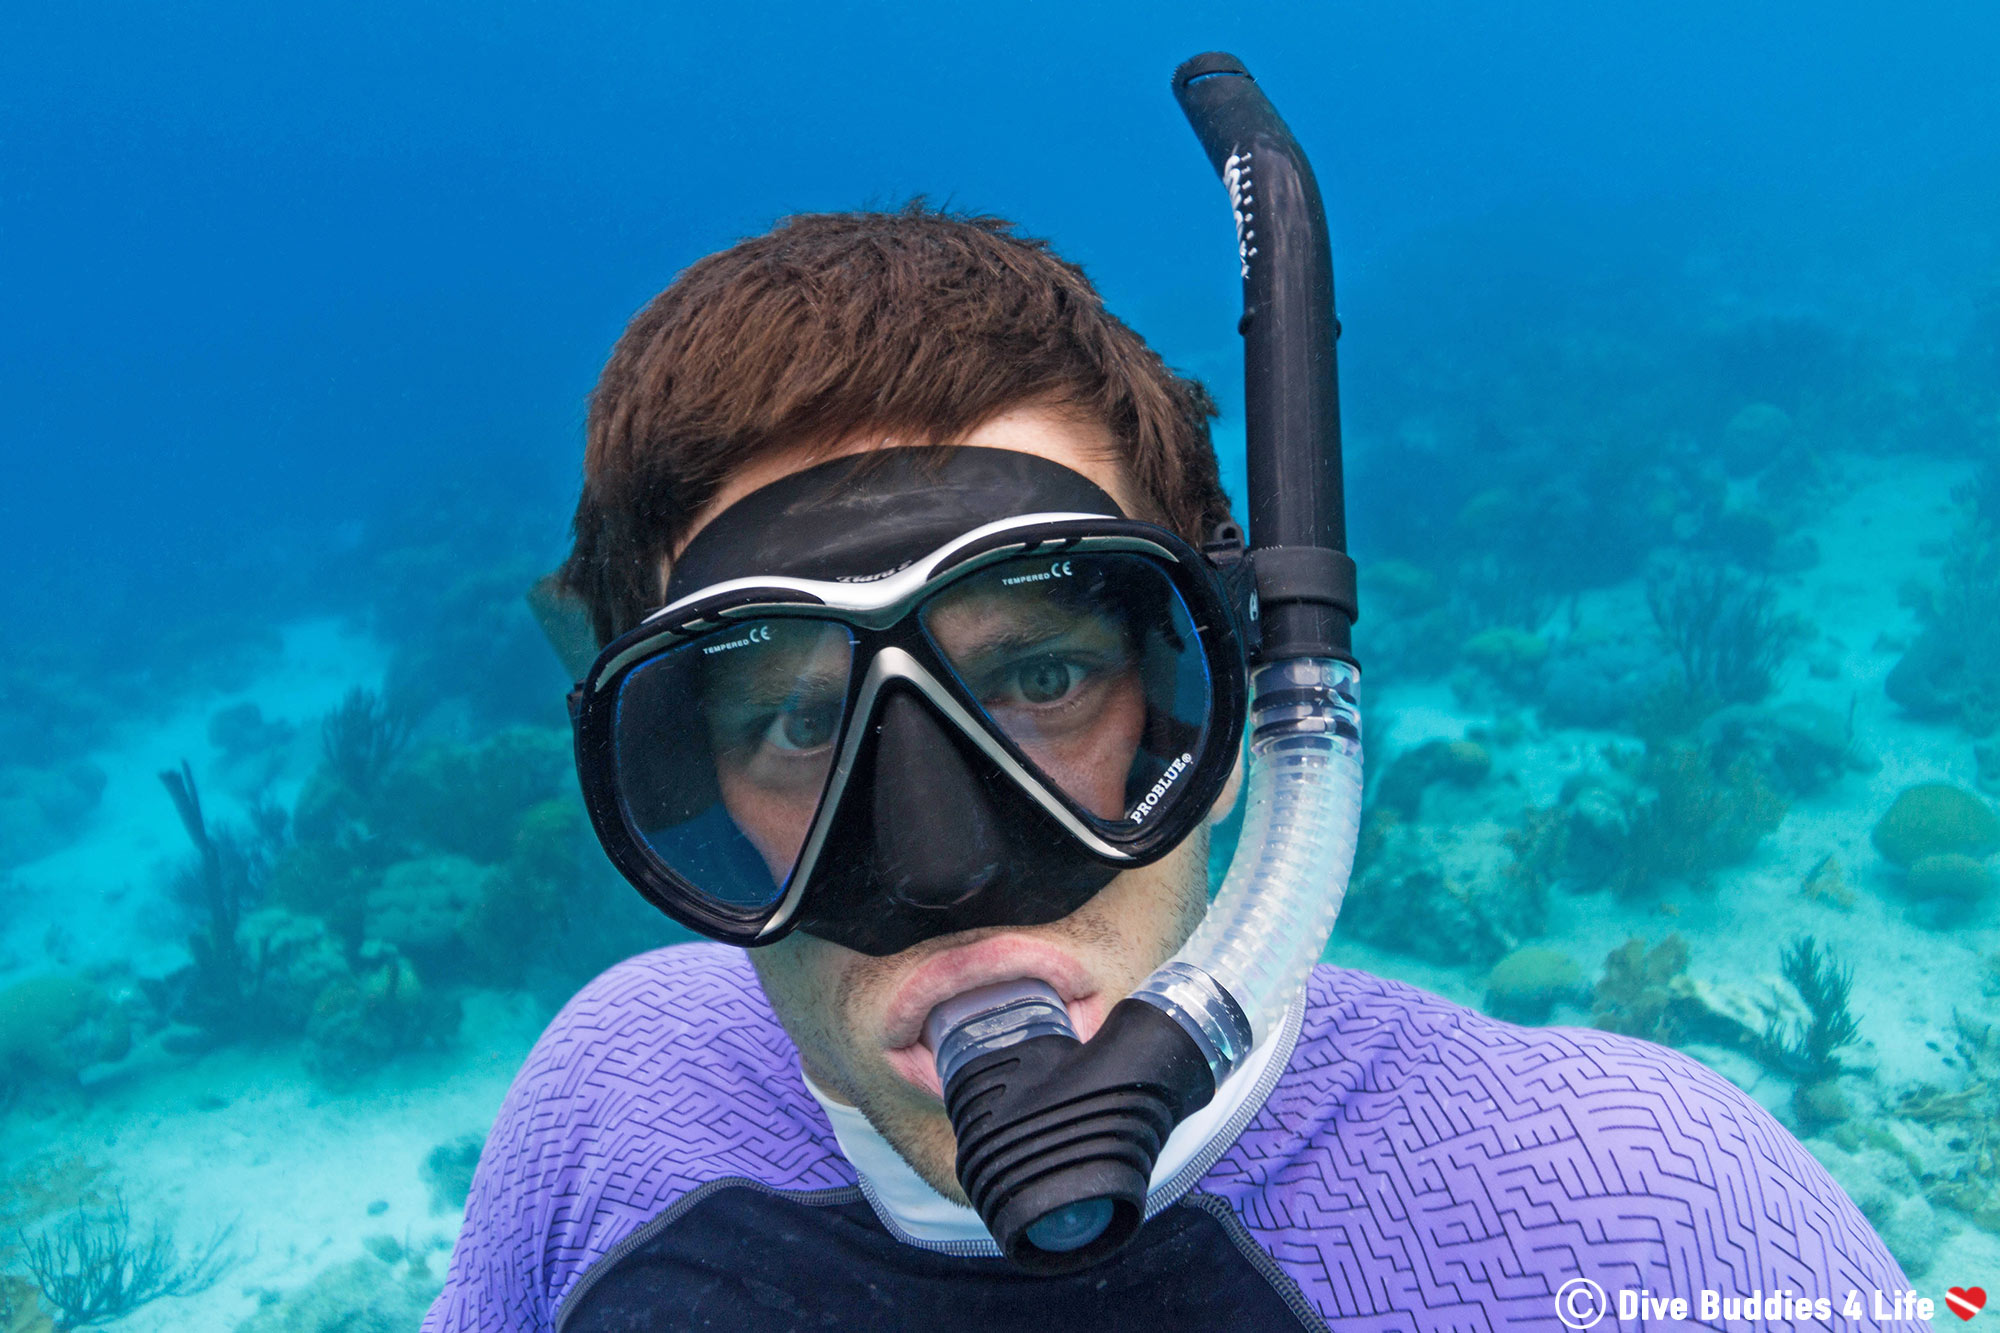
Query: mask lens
point(1091, 666)
point(722, 748)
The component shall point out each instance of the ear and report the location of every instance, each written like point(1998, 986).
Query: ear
point(565, 622)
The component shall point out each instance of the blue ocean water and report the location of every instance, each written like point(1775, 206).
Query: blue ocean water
point(1671, 379)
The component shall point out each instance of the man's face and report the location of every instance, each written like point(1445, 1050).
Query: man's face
point(857, 1019)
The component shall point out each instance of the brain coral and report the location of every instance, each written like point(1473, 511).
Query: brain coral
point(1525, 985)
point(1934, 819)
point(1952, 876)
point(35, 1017)
point(424, 905)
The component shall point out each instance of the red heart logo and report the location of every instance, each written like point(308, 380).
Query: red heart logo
point(1965, 1302)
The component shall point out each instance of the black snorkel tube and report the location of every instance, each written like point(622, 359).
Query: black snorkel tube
point(1057, 1139)
point(1291, 387)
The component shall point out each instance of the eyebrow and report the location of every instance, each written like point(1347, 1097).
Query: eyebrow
point(1036, 632)
point(770, 686)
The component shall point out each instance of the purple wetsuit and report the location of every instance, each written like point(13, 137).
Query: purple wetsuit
point(659, 1163)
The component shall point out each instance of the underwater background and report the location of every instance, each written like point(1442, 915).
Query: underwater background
point(1671, 379)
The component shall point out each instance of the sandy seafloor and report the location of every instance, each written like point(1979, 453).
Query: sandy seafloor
point(243, 1134)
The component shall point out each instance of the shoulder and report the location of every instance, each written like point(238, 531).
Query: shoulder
point(664, 1073)
point(1411, 1138)
point(666, 1023)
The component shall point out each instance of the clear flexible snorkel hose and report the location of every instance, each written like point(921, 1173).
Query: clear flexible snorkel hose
point(1231, 983)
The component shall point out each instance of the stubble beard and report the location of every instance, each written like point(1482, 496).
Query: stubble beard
point(809, 1008)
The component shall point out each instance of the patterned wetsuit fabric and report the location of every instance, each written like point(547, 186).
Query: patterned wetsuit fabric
point(1418, 1166)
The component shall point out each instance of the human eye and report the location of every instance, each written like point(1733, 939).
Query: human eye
point(1045, 680)
point(801, 728)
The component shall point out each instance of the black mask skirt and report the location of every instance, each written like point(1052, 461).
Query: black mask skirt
point(907, 693)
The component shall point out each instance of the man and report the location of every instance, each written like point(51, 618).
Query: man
point(714, 1138)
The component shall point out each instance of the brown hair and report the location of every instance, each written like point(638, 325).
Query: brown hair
point(917, 323)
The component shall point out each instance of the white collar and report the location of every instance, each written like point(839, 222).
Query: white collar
point(918, 1215)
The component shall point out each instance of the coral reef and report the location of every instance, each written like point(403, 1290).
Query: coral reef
point(1414, 631)
point(448, 592)
point(448, 1170)
point(1526, 985)
point(1946, 886)
point(1885, 1178)
point(94, 1269)
point(368, 1295)
point(1801, 748)
point(55, 703)
point(1808, 1050)
point(425, 905)
point(1675, 811)
point(1952, 670)
point(1723, 628)
point(53, 1025)
point(359, 1022)
point(550, 886)
point(1803, 365)
point(1934, 680)
point(1965, 1128)
point(1401, 586)
point(328, 960)
point(20, 1311)
point(1755, 539)
point(1512, 657)
point(1639, 994)
point(1695, 815)
point(292, 958)
point(1424, 890)
point(1594, 678)
point(468, 799)
point(329, 880)
point(42, 808)
point(1986, 758)
point(1932, 819)
point(1648, 993)
point(1825, 884)
point(1462, 763)
point(222, 879)
point(444, 796)
point(1756, 437)
point(361, 739)
point(1549, 530)
point(414, 870)
point(241, 731)
point(360, 742)
point(1540, 847)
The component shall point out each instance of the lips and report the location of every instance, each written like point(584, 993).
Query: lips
point(957, 970)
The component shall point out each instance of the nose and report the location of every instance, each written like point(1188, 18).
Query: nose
point(937, 841)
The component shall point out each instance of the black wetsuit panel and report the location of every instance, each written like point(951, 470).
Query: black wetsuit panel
point(745, 1259)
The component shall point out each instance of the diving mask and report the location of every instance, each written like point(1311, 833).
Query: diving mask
point(873, 711)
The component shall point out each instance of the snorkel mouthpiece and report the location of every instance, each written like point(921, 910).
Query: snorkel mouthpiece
point(991, 1018)
point(1057, 1138)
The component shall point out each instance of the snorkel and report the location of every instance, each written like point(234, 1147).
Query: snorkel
point(1057, 1138)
